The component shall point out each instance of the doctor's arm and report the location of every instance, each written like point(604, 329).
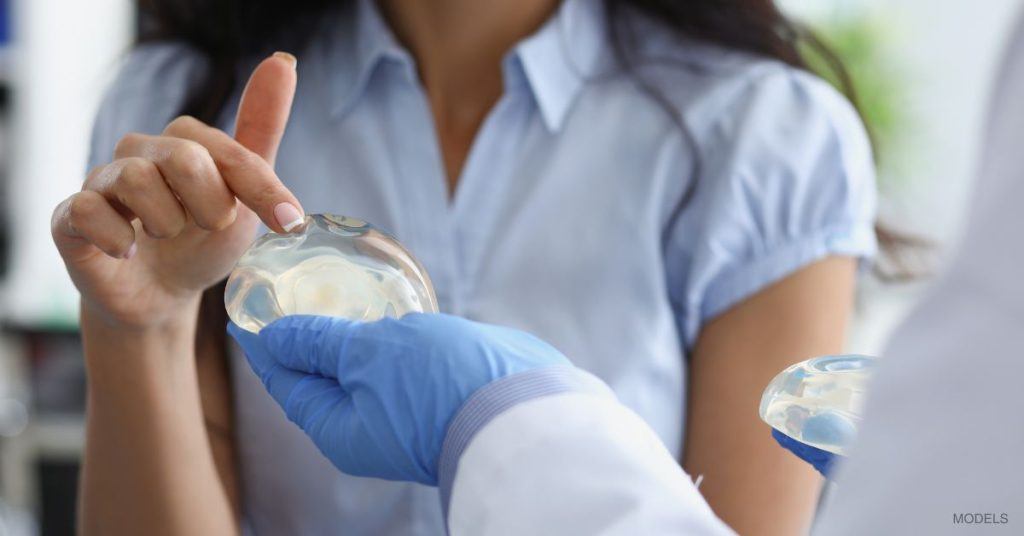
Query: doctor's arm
point(518, 440)
point(572, 463)
point(751, 483)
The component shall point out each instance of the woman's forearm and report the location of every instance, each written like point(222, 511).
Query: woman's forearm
point(148, 467)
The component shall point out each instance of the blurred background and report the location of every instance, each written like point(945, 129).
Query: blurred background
point(923, 70)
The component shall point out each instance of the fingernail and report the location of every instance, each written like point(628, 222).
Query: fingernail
point(292, 60)
point(288, 217)
point(131, 251)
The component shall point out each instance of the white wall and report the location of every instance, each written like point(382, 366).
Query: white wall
point(63, 56)
point(957, 47)
point(951, 50)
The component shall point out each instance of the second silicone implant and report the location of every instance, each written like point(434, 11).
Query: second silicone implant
point(332, 266)
point(819, 401)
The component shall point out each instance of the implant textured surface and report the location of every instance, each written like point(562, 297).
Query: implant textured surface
point(331, 266)
point(819, 401)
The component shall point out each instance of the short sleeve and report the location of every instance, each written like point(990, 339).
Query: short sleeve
point(786, 178)
point(148, 93)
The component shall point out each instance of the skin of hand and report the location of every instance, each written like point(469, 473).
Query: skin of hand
point(170, 215)
point(753, 485)
point(142, 240)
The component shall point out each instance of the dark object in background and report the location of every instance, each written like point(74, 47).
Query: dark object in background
point(5, 37)
point(50, 449)
point(5, 250)
point(57, 373)
point(58, 485)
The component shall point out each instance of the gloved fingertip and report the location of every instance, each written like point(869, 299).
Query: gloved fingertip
point(243, 337)
point(237, 332)
point(255, 351)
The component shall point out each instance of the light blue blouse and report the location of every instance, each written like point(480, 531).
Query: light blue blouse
point(567, 221)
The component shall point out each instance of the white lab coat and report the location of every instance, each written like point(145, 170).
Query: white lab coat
point(940, 453)
point(574, 464)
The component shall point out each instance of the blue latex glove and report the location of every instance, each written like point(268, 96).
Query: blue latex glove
point(822, 460)
point(376, 397)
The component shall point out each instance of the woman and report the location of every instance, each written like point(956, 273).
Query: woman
point(655, 188)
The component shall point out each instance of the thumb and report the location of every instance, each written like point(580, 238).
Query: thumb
point(266, 104)
point(255, 352)
point(303, 396)
point(325, 413)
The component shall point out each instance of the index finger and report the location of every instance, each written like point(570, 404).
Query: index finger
point(247, 164)
point(266, 104)
point(302, 394)
point(262, 117)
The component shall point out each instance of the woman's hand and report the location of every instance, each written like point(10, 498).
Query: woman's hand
point(172, 213)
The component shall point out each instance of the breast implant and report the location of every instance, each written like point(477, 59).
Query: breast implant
point(331, 266)
point(819, 401)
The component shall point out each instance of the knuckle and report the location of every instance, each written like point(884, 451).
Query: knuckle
point(128, 142)
point(94, 173)
point(176, 226)
point(215, 219)
point(165, 230)
point(190, 160)
point(59, 217)
point(181, 123)
point(123, 243)
point(80, 208)
point(168, 224)
point(136, 176)
point(220, 221)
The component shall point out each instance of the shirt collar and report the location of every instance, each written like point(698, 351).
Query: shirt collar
point(557, 60)
point(362, 40)
point(563, 55)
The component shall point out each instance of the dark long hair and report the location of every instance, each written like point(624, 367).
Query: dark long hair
point(229, 31)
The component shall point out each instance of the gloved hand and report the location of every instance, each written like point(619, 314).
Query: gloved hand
point(822, 460)
point(377, 397)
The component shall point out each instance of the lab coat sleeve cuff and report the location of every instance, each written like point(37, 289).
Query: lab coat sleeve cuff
point(502, 395)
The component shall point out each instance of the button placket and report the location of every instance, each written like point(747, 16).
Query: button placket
point(422, 188)
point(485, 176)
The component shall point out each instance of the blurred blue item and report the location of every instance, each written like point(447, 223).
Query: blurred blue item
point(377, 397)
point(5, 19)
point(822, 460)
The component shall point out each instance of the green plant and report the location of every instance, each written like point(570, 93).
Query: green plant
point(864, 44)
